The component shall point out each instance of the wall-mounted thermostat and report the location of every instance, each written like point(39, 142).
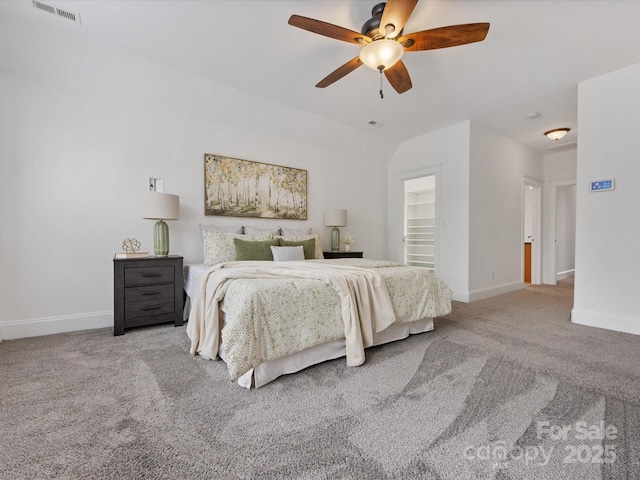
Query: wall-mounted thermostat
point(602, 185)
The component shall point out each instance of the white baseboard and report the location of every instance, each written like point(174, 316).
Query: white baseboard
point(608, 321)
point(48, 326)
point(565, 274)
point(487, 292)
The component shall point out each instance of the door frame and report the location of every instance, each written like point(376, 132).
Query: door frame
point(536, 251)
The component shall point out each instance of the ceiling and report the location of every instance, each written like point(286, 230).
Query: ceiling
point(534, 56)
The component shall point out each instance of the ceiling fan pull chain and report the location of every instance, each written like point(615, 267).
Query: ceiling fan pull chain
point(381, 95)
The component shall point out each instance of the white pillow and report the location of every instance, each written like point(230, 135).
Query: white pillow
point(297, 238)
point(219, 247)
point(285, 254)
point(253, 230)
point(223, 229)
point(287, 232)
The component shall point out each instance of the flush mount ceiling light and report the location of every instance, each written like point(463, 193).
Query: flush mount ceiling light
point(556, 133)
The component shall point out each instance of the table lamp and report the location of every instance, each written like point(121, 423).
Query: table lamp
point(335, 218)
point(161, 207)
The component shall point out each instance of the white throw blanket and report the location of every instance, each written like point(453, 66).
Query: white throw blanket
point(366, 306)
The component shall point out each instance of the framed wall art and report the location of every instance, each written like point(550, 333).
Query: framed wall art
point(243, 188)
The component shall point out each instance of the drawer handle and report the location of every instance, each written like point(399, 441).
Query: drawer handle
point(151, 292)
point(151, 307)
point(151, 274)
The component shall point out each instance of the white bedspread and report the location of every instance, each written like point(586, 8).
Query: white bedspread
point(365, 304)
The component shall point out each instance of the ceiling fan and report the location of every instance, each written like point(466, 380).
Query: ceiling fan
point(383, 42)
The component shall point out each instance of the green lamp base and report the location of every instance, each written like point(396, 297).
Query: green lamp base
point(335, 239)
point(161, 239)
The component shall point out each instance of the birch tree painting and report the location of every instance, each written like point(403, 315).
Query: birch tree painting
point(242, 188)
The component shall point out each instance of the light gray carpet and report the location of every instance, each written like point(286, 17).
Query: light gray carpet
point(442, 405)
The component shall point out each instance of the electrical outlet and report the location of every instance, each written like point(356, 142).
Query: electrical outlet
point(491, 275)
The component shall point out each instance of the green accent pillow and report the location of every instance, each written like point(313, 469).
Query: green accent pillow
point(254, 250)
point(309, 246)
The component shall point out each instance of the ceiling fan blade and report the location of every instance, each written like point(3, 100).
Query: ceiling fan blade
point(444, 37)
point(340, 72)
point(398, 77)
point(396, 13)
point(328, 30)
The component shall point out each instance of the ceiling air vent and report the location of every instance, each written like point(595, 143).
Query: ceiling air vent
point(562, 147)
point(45, 7)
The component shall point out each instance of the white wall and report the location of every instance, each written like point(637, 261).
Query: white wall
point(497, 168)
point(607, 227)
point(419, 184)
point(560, 166)
point(480, 201)
point(559, 169)
point(447, 152)
point(83, 127)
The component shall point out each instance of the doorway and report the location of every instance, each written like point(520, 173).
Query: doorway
point(420, 222)
point(565, 231)
point(561, 226)
point(531, 230)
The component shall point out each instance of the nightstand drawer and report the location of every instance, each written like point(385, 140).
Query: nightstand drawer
point(148, 275)
point(149, 293)
point(148, 308)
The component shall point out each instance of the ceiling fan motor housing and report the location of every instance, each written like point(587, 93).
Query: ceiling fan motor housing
point(371, 26)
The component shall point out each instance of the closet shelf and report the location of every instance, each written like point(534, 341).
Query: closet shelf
point(420, 229)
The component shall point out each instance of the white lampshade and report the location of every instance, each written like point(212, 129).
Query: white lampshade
point(381, 54)
point(335, 218)
point(161, 206)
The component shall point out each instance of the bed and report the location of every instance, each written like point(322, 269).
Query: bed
point(265, 319)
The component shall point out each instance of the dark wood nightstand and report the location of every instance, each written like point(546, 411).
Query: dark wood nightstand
point(146, 291)
point(342, 254)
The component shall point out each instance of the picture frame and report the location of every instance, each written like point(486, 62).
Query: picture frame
point(244, 188)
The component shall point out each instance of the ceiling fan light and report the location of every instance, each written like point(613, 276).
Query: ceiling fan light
point(381, 54)
point(557, 133)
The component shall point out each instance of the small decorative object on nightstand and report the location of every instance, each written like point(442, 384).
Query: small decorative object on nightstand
point(328, 255)
point(131, 249)
point(146, 291)
point(348, 240)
